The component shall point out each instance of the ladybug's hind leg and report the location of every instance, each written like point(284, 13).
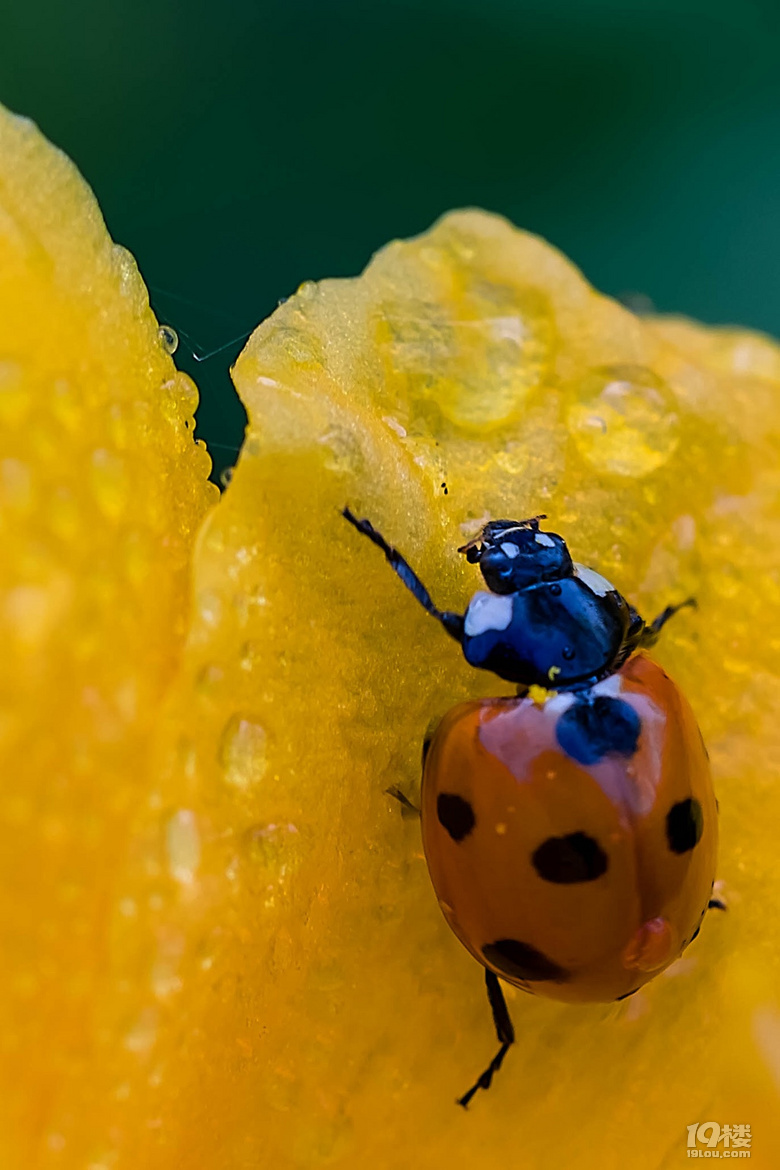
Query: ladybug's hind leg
point(407, 808)
point(505, 1032)
point(649, 635)
point(716, 902)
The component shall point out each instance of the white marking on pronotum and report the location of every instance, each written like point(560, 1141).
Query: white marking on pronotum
point(543, 538)
point(487, 611)
point(510, 550)
point(595, 582)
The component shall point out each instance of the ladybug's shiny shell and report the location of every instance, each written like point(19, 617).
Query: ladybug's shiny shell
point(572, 842)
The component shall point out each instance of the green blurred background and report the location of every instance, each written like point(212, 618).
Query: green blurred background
point(238, 147)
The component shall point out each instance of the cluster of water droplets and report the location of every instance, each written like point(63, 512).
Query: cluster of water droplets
point(624, 419)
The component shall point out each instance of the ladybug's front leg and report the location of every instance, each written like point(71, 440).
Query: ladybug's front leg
point(504, 1030)
point(452, 622)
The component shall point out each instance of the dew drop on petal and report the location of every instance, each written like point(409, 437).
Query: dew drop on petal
point(250, 655)
point(624, 420)
point(182, 842)
point(169, 338)
point(344, 453)
point(242, 751)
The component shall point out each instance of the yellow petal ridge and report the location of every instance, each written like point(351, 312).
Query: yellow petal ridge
point(102, 491)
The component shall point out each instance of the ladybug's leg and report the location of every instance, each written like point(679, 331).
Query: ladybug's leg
point(452, 622)
point(649, 635)
point(504, 1031)
point(407, 808)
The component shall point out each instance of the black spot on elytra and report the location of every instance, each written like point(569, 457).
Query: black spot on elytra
point(591, 729)
point(684, 825)
point(519, 960)
point(455, 814)
point(573, 858)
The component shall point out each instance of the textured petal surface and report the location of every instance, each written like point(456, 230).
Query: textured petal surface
point(326, 1014)
point(228, 953)
point(102, 491)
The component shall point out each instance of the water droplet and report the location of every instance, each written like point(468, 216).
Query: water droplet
point(209, 680)
point(242, 751)
point(476, 360)
point(186, 757)
point(210, 607)
point(271, 845)
point(169, 338)
point(164, 980)
point(394, 425)
point(684, 529)
point(250, 655)
point(142, 1035)
point(344, 451)
point(180, 398)
point(624, 420)
point(182, 842)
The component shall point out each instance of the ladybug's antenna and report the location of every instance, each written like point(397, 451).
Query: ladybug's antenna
point(452, 622)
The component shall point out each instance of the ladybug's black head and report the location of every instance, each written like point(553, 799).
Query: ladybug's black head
point(513, 554)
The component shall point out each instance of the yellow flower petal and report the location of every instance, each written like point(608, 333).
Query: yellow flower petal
point(339, 1019)
point(268, 977)
point(102, 491)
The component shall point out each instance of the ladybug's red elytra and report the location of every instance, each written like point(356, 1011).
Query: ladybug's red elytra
point(570, 832)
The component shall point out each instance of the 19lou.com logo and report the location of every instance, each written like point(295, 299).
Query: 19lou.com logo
point(709, 1139)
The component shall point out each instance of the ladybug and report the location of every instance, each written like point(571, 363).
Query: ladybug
point(570, 832)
